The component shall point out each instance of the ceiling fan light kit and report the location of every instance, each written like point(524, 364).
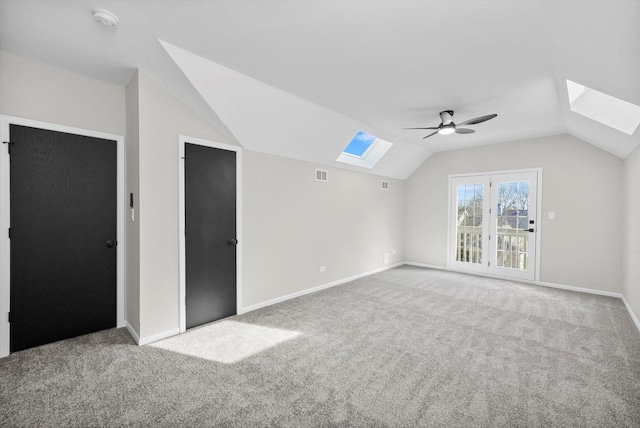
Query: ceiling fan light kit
point(448, 127)
point(105, 17)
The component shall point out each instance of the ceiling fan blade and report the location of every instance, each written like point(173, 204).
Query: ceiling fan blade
point(477, 120)
point(430, 127)
point(433, 133)
point(464, 131)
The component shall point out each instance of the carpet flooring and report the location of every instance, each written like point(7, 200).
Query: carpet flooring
point(403, 348)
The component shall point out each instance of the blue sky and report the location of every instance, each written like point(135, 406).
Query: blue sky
point(359, 144)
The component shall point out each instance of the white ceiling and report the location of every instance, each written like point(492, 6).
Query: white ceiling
point(333, 67)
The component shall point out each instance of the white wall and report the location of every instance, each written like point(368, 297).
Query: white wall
point(162, 118)
point(631, 235)
point(291, 224)
point(33, 90)
point(581, 183)
point(294, 224)
point(132, 228)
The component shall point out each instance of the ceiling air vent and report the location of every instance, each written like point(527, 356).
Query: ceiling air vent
point(385, 185)
point(322, 175)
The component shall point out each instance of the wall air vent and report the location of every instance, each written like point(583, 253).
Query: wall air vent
point(322, 175)
point(385, 185)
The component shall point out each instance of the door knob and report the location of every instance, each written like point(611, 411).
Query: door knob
point(110, 244)
point(232, 241)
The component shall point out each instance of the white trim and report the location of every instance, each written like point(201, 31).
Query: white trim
point(631, 314)
point(539, 222)
point(182, 140)
point(454, 182)
point(488, 176)
point(574, 288)
point(543, 284)
point(534, 199)
point(159, 336)
point(450, 223)
point(524, 281)
point(5, 221)
point(314, 289)
point(506, 171)
point(132, 332)
point(428, 266)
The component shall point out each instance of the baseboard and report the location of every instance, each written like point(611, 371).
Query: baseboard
point(547, 284)
point(578, 289)
point(524, 281)
point(631, 314)
point(132, 332)
point(314, 289)
point(424, 265)
point(159, 336)
point(149, 339)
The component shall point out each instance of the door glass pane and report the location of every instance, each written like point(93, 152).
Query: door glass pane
point(512, 225)
point(469, 223)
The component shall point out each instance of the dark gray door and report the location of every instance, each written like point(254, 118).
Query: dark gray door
point(63, 235)
point(210, 241)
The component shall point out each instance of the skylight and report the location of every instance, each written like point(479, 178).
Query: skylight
point(360, 144)
point(364, 150)
point(603, 108)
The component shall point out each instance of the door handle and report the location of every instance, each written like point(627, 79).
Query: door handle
point(530, 230)
point(110, 244)
point(232, 241)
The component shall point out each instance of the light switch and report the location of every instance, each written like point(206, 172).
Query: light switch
point(552, 215)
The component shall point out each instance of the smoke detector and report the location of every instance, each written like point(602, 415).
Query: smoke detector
point(105, 17)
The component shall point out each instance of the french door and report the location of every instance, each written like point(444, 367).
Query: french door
point(494, 224)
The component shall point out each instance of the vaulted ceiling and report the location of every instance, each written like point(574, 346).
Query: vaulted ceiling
point(300, 78)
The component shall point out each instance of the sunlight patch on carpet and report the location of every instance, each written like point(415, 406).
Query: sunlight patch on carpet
point(226, 341)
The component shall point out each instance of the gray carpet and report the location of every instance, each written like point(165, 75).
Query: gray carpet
point(402, 348)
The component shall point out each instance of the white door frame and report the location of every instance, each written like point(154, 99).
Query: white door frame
point(5, 220)
point(182, 140)
point(451, 225)
point(533, 255)
point(453, 263)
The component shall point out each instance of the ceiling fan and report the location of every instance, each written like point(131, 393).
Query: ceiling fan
point(448, 127)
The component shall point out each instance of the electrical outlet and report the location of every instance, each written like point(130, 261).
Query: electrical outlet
point(323, 268)
point(386, 257)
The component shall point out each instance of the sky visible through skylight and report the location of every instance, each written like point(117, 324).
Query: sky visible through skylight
point(359, 144)
point(364, 150)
